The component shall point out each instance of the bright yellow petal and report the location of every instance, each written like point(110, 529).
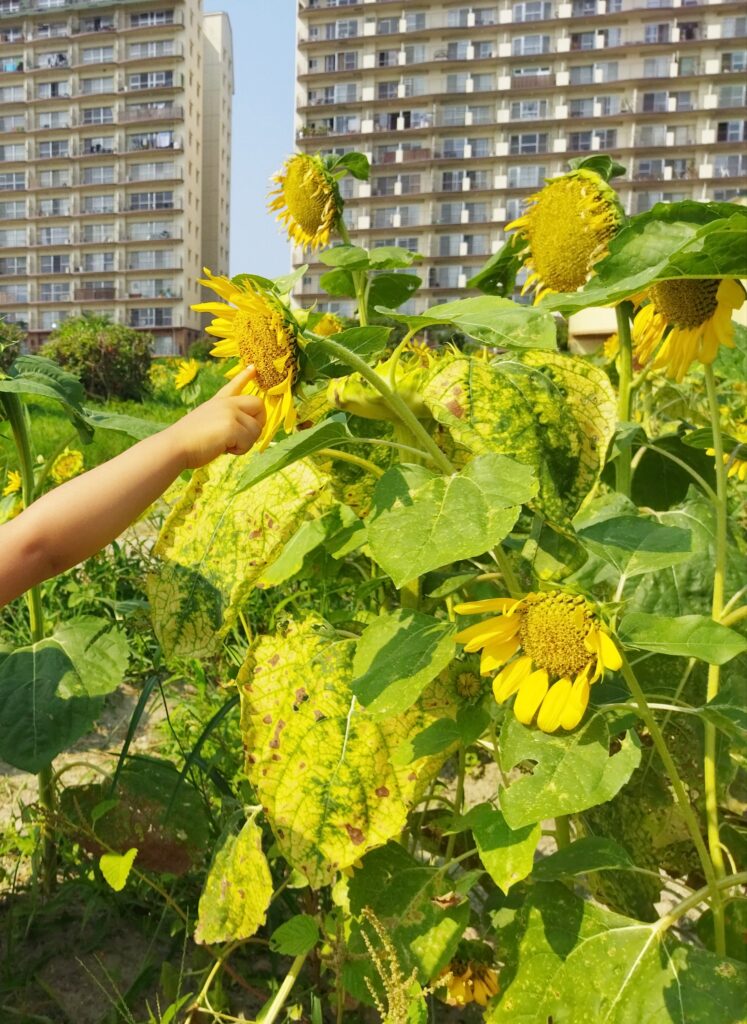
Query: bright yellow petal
point(510, 679)
point(492, 604)
point(608, 652)
point(576, 704)
point(553, 705)
point(531, 694)
point(496, 655)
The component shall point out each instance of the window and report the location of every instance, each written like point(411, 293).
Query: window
point(98, 232)
point(656, 67)
point(481, 114)
point(98, 144)
point(105, 24)
point(98, 115)
point(52, 60)
point(16, 151)
point(13, 209)
point(731, 131)
point(98, 204)
point(384, 185)
point(584, 8)
point(733, 27)
point(410, 184)
point(688, 30)
point(46, 150)
point(734, 61)
point(155, 48)
point(97, 290)
point(13, 237)
point(52, 90)
point(451, 181)
point(486, 16)
point(657, 33)
point(387, 26)
point(607, 70)
point(731, 95)
point(151, 317)
point(55, 179)
point(458, 18)
point(457, 82)
point(688, 66)
point(98, 54)
point(12, 123)
point(454, 148)
point(151, 201)
point(153, 171)
point(731, 165)
point(146, 18)
point(528, 142)
point(580, 141)
point(480, 148)
point(525, 176)
point(98, 262)
point(583, 40)
point(13, 266)
point(12, 181)
point(92, 86)
point(608, 105)
point(414, 21)
point(655, 102)
point(54, 207)
point(683, 100)
point(54, 236)
point(582, 75)
point(12, 94)
point(52, 318)
point(53, 119)
point(54, 264)
point(454, 115)
point(483, 83)
point(415, 54)
point(526, 46)
point(14, 293)
point(387, 58)
point(528, 110)
point(152, 259)
point(150, 288)
point(151, 140)
point(532, 10)
point(151, 80)
point(98, 175)
point(581, 108)
point(387, 90)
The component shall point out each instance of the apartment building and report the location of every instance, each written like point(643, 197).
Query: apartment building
point(463, 111)
point(114, 162)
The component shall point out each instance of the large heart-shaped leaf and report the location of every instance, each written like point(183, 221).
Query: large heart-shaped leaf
point(36, 375)
point(692, 636)
point(321, 765)
point(217, 543)
point(506, 853)
point(579, 962)
point(421, 521)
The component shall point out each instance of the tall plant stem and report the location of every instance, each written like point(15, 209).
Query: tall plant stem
point(354, 460)
point(717, 610)
point(16, 417)
point(393, 400)
point(270, 1015)
point(509, 576)
point(625, 395)
point(562, 831)
point(682, 801)
point(360, 277)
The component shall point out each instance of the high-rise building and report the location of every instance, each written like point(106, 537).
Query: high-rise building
point(465, 109)
point(114, 161)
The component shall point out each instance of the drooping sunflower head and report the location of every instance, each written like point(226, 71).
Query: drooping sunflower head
point(307, 200)
point(328, 324)
point(186, 373)
point(567, 227)
point(469, 981)
point(255, 327)
point(68, 464)
point(547, 648)
point(735, 456)
point(13, 483)
point(405, 370)
point(689, 318)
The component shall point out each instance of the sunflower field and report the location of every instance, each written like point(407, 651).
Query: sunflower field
point(471, 626)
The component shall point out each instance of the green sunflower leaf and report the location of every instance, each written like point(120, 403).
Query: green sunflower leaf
point(569, 772)
point(220, 539)
point(295, 937)
point(391, 289)
point(694, 636)
point(600, 163)
point(284, 453)
point(593, 853)
point(237, 890)
point(421, 521)
point(36, 375)
point(554, 413)
point(322, 765)
point(356, 164)
point(579, 962)
point(397, 656)
point(636, 544)
point(506, 853)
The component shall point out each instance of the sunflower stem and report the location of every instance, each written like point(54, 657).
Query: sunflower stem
point(270, 1015)
point(16, 417)
point(714, 671)
point(360, 277)
point(393, 400)
point(509, 576)
point(562, 831)
point(354, 460)
point(625, 395)
point(682, 800)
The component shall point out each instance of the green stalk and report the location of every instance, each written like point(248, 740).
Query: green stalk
point(625, 395)
point(17, 419)
point(360, 277)
point(355, 460)
point(695, 898)
point(393, 400)
point(717, 609)
point(270, 1015)
point(682, 801)
point(562, 831)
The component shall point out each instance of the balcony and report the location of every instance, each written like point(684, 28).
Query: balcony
point(145, 113)
point(95, 294)
point(11, 65)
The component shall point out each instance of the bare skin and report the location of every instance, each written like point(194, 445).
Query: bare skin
point(77, 519)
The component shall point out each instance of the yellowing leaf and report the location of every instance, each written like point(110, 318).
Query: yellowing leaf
point(115, 867)
point(217, 543)
point(321, 765)
point(237, 890)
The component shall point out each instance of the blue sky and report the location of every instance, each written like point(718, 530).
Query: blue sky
point(264, 69)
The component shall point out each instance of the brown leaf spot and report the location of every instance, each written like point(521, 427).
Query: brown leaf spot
point(275, 741)
point(356, 836)
point(382, 791)
point(267, 719)
point(411, 777)
point(455, 408)
point(274, 660)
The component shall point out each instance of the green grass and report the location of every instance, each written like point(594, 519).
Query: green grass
point(50, 427)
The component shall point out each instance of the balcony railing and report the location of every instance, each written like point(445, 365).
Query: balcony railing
point(95, 294)
point(169, 113)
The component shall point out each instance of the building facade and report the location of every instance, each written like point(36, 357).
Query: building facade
point(114, 162)
point(465, 109)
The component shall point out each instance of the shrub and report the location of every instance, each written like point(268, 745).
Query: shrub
point(200, 349)
point(111, 360)
point(12, 338)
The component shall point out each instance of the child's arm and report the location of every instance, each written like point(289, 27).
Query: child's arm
point(77, 519)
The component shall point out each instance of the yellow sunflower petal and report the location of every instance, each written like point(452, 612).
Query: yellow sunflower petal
point(507, 682)
point(553, 706)
point(576, 703)
point(531, 694)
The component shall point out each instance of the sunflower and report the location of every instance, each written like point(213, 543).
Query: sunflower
point(736, 460)
point(258, 329)
point(328, 324)
point(308, 200)
point(471, 982)
point(567, 227)
point(186, 373)
point(692, 316)
point(562, 650)
point(13, 484)
point(67, 465)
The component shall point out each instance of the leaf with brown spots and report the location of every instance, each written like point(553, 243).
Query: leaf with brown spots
point(322, 766)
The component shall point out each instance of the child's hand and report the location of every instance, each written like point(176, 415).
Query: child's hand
point(229, 422)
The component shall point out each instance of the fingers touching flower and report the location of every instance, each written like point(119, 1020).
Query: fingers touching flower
point(547, 648)
point(691, 316)
point(13, 483)
point(68, 464)
point(566, 227)
point(188, 370)
point(254, 325)
point(307, 200)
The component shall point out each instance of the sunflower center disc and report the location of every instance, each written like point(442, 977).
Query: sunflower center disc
point(262, 339)
point(685, 303)
point(552, 633)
